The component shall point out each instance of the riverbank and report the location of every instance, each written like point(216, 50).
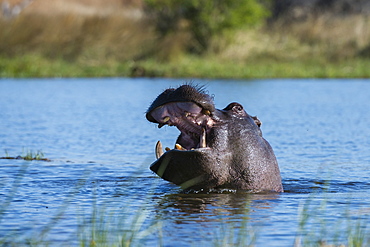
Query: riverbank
point(85, 41)
point(186, 67)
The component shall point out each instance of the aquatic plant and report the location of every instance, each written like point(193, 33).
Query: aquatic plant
point(134, 224)
point(105, 228)
point(236, 234)
point(28, 155)
point(317, 228)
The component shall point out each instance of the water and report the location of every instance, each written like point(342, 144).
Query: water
point(95, 133)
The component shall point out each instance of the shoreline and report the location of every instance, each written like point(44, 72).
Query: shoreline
point(33, 66)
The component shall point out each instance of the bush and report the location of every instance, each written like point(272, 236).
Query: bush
point(205, 19)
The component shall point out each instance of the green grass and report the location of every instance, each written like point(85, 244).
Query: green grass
point(39, 66)
point(196, 67)
point(350, 228)
point(186, 67)
point(28, 155)
point(104, 228)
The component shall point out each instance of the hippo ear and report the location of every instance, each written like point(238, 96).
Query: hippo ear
point(236, 108)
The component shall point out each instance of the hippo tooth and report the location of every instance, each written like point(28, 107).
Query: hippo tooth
point(167, 149)
point(165, 120)
point(202, 143)
point(158, 149)
point(179, 147)
point(206, 112)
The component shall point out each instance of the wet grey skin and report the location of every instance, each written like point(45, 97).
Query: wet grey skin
point(216, 149)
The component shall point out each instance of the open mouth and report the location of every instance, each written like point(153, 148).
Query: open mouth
point(192, 121)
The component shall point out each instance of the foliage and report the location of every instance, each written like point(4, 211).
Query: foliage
point(29, 155)
point(77, 45)
point(204, 19)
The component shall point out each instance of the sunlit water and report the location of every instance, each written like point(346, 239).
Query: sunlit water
point(95, 133)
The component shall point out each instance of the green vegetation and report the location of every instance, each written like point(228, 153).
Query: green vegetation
point(103, 228)
point(192, 39)
point(262, 68)
point(315, 229)
point(204, 20)
point(29, 155)
point(187, 67)
point(114, 228)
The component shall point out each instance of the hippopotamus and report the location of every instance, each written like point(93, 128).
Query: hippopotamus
point(216, 149)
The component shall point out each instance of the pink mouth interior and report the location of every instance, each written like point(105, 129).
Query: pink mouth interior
point(188, 117)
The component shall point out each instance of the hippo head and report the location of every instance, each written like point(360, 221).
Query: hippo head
point(216, 148)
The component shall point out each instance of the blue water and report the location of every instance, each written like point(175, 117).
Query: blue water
point(98, 185)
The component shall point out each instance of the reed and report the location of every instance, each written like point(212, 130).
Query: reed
point(105, 228)
point(28, 155)
point(111, 227)
point(332, 36)
point(72, 36)
point(316, 226)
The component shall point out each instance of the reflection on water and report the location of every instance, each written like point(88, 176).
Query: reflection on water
point(228, 205)
point(101, 146)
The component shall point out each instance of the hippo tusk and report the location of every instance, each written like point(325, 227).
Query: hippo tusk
point(202, 143)
point(158, 149)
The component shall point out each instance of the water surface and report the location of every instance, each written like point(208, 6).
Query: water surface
point(95, 133)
